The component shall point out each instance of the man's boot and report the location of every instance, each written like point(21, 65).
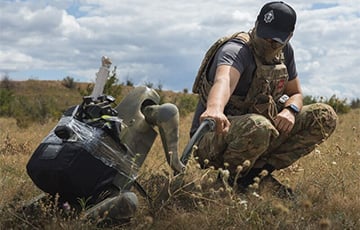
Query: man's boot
point(274, 185)
point(268, 180)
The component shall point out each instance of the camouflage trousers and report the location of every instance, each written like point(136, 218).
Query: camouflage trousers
point(254, 138)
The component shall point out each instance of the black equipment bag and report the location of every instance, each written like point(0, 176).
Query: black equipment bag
point(69, 170)
point(76, 160)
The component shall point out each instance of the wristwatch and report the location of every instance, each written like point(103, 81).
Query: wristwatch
point(293, 108)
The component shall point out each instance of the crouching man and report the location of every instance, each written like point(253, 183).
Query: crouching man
point(248, 84)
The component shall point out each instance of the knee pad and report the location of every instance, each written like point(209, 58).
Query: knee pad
point(321, 117)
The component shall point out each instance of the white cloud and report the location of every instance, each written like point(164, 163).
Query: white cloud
point(11, 59)
point(164, 41)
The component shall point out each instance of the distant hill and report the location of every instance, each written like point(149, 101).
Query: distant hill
point(37, 100)
point(64, 97)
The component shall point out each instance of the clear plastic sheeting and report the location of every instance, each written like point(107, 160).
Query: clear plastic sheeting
point(99, 143)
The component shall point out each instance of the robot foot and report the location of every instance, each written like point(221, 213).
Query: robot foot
point(120, 208)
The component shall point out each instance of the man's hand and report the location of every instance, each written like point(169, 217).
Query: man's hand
point(222, 123)
point(284, 121)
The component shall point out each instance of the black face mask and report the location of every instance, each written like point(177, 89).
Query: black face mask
point(267, 51)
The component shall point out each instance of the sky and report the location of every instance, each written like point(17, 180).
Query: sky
point(163, 41)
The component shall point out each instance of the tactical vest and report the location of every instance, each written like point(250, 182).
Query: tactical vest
point(268, 84)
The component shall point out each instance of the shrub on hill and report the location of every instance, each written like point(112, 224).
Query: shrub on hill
point(339, 105)
point(69, 82)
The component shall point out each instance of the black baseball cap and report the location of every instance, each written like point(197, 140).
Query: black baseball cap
point(276, 20)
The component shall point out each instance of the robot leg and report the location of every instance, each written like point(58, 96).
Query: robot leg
point(166, 118)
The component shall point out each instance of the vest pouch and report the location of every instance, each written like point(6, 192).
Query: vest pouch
point(237, 106)
point(266, 106)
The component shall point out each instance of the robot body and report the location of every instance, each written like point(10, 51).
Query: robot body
point(95, 151)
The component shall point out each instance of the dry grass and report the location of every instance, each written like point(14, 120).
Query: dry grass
point(327, 185)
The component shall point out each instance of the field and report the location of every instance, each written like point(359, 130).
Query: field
point(326, 183)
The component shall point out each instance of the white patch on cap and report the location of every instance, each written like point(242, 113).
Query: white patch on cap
point(269, 16)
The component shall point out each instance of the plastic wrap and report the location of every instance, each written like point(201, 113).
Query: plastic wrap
point(99, 143)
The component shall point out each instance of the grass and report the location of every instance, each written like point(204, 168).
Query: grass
point(326, 182)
